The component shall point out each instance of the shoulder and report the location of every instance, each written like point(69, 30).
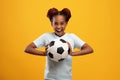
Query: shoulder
point(72, 35)
point(47, 34)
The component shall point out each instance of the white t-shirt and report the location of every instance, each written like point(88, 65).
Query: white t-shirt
point(59, 70)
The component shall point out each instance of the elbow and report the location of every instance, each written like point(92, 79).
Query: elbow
point(91, 51)
point(26, 50)
point(29, 48)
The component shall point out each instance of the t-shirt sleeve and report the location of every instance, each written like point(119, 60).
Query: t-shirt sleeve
point(78, 42)
point(40, 41)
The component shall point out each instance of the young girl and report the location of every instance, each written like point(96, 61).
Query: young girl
point(59, 70)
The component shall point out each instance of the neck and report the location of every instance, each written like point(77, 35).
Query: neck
point(59, 34)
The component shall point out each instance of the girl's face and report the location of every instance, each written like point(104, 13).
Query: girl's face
point(59, 24)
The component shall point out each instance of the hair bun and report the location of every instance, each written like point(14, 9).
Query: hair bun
point(67, 12)
point(52, 12)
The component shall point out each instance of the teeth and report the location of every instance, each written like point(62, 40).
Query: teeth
point(58, 29)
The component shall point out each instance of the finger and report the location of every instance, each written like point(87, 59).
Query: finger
point(46, 45)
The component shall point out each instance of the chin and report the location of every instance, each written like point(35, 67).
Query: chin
point(60, 33)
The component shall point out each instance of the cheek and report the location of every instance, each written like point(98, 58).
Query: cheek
point(64, 26)
point(53, 26)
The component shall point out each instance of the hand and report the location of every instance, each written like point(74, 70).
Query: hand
point(44, 53)
point(46, 47)
point(70, 48)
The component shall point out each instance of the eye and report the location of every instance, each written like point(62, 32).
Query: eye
point(56, 23)
point(62, 23)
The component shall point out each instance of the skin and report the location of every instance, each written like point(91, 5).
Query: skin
point(59, 24)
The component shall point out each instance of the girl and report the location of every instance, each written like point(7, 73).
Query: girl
point(59, 70)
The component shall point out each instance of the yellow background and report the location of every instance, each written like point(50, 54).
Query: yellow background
point(95, 21)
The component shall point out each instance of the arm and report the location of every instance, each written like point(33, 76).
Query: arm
point(31, 49)
point(85, 49)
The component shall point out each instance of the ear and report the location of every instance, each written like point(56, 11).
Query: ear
point(66, 23)
point(51, 23)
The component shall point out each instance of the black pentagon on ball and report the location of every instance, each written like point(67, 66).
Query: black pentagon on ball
point(61, 59)
point(62, 40)
point(60, 50)
point(50, 55)
point(51, 43)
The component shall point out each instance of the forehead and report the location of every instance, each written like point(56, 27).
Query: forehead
point(58, 18)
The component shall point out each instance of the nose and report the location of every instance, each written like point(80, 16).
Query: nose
point(59, 26)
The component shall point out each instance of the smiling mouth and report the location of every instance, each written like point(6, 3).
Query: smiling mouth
point(58, 30)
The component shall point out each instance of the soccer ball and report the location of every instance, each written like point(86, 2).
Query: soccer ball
point(58, 50)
